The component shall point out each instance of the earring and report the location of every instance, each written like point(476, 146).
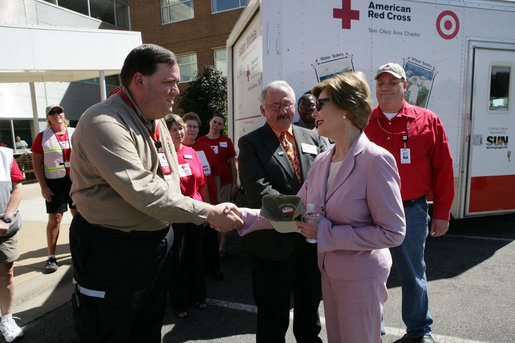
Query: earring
point(344, 117)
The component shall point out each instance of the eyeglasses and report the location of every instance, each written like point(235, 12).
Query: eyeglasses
point(194, 127)
point(278, 106)
point(57, 111)
point(320, 103)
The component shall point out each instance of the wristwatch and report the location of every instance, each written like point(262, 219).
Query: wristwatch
point(6, 220)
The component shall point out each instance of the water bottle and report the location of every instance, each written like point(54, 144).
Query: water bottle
point(312, 216)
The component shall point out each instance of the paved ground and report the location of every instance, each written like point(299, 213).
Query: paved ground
point(470, 274)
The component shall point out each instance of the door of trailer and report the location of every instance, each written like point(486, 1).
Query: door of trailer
point(491, 164)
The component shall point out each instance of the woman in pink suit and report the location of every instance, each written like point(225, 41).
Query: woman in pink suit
point(356, 188)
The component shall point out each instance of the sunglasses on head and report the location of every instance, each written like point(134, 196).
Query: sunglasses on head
point(320, 103)
point(56, 111)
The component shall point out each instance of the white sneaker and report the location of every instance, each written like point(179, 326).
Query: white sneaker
point(10, 329)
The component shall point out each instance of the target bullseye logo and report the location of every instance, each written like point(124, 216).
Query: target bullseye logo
point(447, 25)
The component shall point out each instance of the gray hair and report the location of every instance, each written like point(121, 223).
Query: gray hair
point(278, 84)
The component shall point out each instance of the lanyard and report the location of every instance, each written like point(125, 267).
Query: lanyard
point(405, 135)
point(155, 137)
point(59, 143)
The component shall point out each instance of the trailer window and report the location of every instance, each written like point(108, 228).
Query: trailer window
point(499, 88)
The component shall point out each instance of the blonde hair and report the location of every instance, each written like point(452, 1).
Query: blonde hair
point(349, 92)
point(174, 118)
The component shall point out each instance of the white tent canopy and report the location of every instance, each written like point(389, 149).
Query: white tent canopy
point(32, 54)
point(49, 54)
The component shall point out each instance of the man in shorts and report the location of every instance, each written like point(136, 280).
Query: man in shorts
point(51, 154)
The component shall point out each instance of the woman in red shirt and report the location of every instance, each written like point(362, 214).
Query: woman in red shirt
point(212, 175)
point(225, 153)
point(187, 285)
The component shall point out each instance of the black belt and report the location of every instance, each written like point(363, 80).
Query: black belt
point(411, 203)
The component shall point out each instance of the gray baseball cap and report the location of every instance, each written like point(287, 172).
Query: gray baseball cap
point(282, 211)
point(51, 107)
point(391, 68)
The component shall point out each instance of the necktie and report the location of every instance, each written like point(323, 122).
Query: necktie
point(291, 152)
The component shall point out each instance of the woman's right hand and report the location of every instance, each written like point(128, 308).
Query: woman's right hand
point(308, 230)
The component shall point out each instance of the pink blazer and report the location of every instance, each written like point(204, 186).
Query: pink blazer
point(363, 212)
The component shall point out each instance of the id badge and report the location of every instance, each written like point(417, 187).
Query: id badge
point(67, 164)
point(167, 171)
point(405, 156)
point(184, 170)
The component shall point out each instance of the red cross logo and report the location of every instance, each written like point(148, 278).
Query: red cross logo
point(346, 14)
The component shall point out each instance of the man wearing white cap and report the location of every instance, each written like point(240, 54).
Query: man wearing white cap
point(416, 138)
point(51, 154)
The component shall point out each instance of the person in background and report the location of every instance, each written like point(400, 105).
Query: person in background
point(187, 284)
point(10, 197)
point(212, 175)
point(306, 108)
point(275, 159)
point(21, 144)
point(416, 138)
point(51, 155)
point(127, 190)
point(224, 151)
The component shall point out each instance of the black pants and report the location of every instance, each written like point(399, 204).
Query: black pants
point(273, 283)
point(188, 281)
point(133, 269)
point(211, 255)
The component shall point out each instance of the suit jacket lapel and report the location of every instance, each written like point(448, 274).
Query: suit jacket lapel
point(300, 138)
point(348, 164)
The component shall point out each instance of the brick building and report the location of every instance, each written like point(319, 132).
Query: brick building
point(195, 30)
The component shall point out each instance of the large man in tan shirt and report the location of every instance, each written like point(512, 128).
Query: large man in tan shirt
point(126, 189)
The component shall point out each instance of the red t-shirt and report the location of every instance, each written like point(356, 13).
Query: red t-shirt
point(210, 167)
point(16, 174)
point(224, 150)
point(430, 167)
point(37, 147)
point(190, 172)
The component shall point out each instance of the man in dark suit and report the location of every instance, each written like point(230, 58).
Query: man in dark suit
point(275, 159)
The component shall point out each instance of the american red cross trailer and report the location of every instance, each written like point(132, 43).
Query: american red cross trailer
point(458, 55)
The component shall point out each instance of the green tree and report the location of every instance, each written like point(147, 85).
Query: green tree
point(206, 96)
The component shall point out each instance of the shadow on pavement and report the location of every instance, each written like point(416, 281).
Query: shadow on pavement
point(468, 243)
point(210, 324)
point(63, 258)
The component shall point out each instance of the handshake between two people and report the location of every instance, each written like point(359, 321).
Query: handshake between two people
point(225, 217)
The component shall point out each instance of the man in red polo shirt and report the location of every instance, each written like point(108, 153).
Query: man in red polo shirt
point(416, 138)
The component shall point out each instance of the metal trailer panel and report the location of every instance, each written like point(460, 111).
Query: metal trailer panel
point(306, 41)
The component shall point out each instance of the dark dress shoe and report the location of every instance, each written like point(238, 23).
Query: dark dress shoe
point(423, 339)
